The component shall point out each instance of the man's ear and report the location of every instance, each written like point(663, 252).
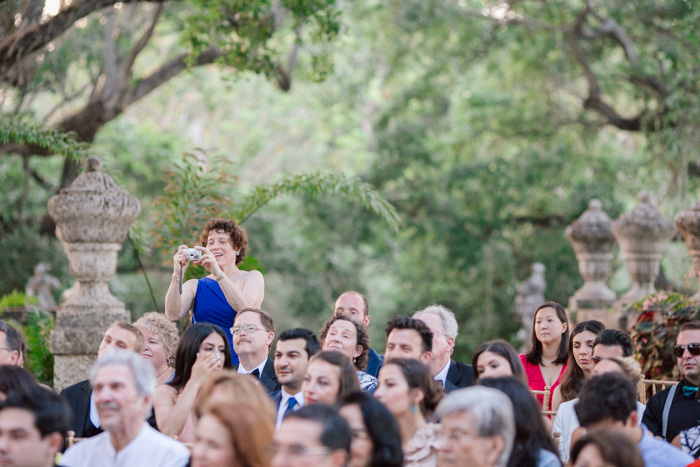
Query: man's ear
point(55, 442)
point(425, 357)
point(496, 445)
point(365, 321)
point(632, 419)
point(270, 338)
point(16, 358)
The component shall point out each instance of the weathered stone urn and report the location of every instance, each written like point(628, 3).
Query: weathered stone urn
point(688, 223)
point(92, 218)
point(643, 235)
point(593, 242)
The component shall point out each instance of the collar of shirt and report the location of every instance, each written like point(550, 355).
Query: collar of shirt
point(260, 368)
point(299, 396)
point(442, 376)
point(94, 416)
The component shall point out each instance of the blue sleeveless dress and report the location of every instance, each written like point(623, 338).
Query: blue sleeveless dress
point(211, 306)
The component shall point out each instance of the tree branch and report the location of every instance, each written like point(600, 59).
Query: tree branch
point(125, 71)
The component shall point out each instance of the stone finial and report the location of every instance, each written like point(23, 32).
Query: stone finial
point(688, 223)
point(593, 242)
point(643, 235)
point(92, 217)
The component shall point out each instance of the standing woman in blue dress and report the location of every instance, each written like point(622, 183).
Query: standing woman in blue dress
point(214, 299)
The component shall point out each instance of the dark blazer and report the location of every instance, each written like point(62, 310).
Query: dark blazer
point(78, 398)
point(458, 376)
point(374, 362)
point(268, 378)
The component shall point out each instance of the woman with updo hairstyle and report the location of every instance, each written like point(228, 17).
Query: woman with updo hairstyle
point(408, 390)
point(232, 434)
point(203, 350)
point(226, 290)
point(606, 447)
point(161, 337)
point(329, 376)
point(580, 362)
point(349, 338)
point(495, 359)
point(545, 362)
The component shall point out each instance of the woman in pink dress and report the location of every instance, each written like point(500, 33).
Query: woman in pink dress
point(545, 362)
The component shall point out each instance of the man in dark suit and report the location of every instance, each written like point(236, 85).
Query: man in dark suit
point(253, 332)
point(443, 324)
point(295, 347)
point(85, 421)
point(354, 305)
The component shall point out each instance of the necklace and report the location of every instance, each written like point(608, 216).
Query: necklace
point(163, 372)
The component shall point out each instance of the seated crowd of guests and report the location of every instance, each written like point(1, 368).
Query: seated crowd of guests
point(158, 398)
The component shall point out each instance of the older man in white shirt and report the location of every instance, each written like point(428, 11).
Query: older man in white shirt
point(124, 384)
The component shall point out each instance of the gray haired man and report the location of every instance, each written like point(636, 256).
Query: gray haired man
point(443, 324)
point(478, 428)
point(124, 384)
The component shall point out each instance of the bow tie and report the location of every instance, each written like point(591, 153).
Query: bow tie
point(690, 391)
point(256, 373)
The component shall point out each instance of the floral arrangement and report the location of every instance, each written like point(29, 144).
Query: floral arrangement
point(654, 334)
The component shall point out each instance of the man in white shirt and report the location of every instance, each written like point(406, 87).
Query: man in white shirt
point(253, 332)
point(124, 384)
point(443, 324)
point(294, 349)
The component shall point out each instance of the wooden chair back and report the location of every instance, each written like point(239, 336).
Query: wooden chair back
point(547, 395)
point(649, 387)
point(71, 439)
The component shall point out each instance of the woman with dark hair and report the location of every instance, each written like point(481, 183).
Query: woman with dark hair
point(545, 362)
point(376, 439)
point(497, 358)
point(15, 378)
point(329, 376)
point(606, 447)
point(232, 434)
point(408, 390)
point(349, 338)
point(203, 349)
point(580, 364)
point(532, 446)
point(216, 298)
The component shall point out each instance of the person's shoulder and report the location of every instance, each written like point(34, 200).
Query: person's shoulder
point(155, 437)
point(547, 459)
point(659, 452)
point(76, 388)
point(166, 390)
point(79, 453)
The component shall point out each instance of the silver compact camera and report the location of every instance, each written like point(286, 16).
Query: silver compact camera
point(192, 254)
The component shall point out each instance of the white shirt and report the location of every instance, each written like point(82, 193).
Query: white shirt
point(299, 396)
point(442, 376)
point(94, 416)
point(148, 449)
point(260, 368)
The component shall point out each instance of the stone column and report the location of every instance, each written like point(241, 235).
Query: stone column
point(643, 235)
point(593, 242)
point(688, 222)
point(92, 218)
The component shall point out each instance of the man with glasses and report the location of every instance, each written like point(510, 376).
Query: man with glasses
point(253, 332)
point(678, 408)
point(443, 324)
point(12, 345)
point(315, 436)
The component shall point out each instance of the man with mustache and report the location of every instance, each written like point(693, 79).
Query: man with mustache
point(123, 385)
point(86, 421)
point(294, 349)
point(253, 332)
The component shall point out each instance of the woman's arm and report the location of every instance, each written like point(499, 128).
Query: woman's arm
point(556, 398)
point(177, 306)
point(172, 410)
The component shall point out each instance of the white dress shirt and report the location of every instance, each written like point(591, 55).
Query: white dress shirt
point(442, 376)
point(148, 449)
point(260, 368)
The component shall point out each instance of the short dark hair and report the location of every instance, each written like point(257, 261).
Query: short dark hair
point(362, 338)
point(690, 326)
point(313, 346)
point(534, 355)
point(406, 322)
point(13, 378)
point(51, 412)
point(140, 340)
point(335, 433)
point(612, 337)
point(239, 239)
point(606, 397)
point(265, 319)
point(382, 428)
point(614, 447)
point(14, 339)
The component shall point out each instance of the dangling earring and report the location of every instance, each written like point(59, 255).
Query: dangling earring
point(238, 252)
point(413, 408)
point(168, 362)
point(354, 360)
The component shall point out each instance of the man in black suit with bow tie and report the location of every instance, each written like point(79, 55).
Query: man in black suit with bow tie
point(253, 332)
point(443, 324)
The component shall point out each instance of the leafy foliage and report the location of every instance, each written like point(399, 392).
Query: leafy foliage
point(660, 317)
point(17, 131)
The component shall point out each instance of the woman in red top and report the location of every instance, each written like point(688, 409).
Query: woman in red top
point(545, 362)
